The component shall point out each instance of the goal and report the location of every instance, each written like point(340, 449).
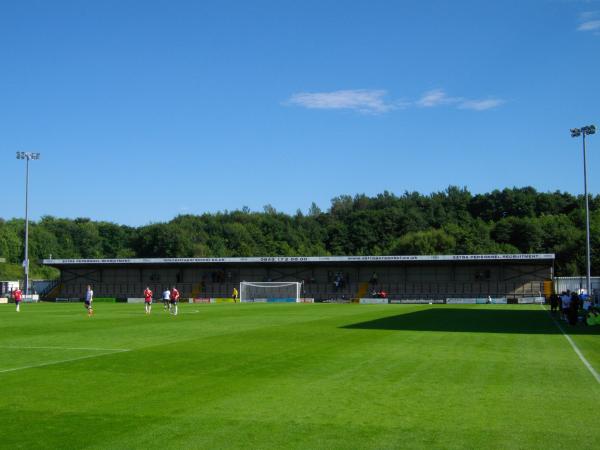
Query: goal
point(270, 291)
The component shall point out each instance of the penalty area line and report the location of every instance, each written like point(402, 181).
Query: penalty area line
point(585, 362)
point(33, 366)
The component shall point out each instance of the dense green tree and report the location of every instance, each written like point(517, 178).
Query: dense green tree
point(428, 242)
point(162, 240)
point(450, 221)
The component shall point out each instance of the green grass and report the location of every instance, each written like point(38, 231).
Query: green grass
point(294, 376)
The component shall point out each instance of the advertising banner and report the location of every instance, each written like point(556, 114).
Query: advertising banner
point(418, 301)
point(281, 300)
point(461, 301)
point(373, 301)
point(531, 300)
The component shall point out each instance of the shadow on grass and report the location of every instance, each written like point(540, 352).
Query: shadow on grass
point(474, 321)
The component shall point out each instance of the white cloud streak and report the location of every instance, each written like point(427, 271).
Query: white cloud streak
point(374, 102)
point(435, 97)
point(590, 25)
point(481, 105)
point(362, 100)
point(589, 21)
point(438, 97)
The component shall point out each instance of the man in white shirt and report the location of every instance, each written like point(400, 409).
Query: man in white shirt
point(166, 298)
point(89, 298)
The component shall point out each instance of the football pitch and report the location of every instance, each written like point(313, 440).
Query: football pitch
point(295, 376)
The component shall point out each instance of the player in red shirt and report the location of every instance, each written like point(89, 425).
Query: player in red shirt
point(148, 300)
point(17, 294)
point(174, 300)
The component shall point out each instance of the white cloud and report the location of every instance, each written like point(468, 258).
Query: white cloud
point(481, 105)
point(438, 97)
point(362, 100)
point(590, 25)
point(374, 102)
point(589, 21)
point(435, 97)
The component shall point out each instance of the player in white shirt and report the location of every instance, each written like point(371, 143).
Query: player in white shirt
point(89, 298)
point(166, 298)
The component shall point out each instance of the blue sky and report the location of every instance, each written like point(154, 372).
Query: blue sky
point(146, 110)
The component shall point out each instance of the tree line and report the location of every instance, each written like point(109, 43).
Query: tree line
point(454, 221)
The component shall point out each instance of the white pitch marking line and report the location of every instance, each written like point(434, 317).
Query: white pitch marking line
point(61, 361)
point(577, 351)
point(71, 348)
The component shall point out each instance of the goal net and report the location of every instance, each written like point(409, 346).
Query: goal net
point(270, 291)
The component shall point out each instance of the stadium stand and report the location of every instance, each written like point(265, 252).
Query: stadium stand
point(324, 278)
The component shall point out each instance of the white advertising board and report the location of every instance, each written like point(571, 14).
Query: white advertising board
point(531, 300)
point(373, 301)
point(461, 301)
point(417, 301)
point(297, 259)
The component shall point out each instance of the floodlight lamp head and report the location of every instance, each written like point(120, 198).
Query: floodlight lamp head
point(575, 132)
point(590, 129)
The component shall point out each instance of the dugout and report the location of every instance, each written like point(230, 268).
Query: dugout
point(324, 277)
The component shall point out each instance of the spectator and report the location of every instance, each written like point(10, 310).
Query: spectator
point(565, 302)
point(374, 279)
point(338, 280)
point(554, 301)
point(573, 309)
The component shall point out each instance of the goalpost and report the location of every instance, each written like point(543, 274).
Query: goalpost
point(270, 291)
